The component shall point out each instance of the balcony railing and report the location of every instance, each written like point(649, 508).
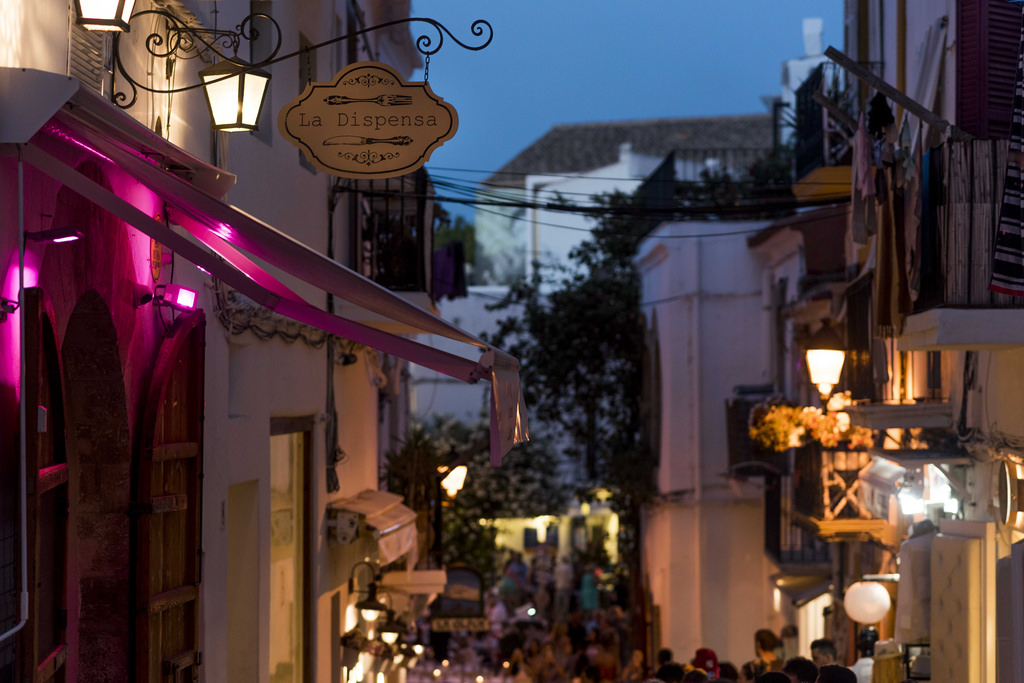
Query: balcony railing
point(958, 231)
point(817, 144)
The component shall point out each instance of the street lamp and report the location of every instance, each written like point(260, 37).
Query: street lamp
point(453, 481)
point(825, 353)
point(450, 477)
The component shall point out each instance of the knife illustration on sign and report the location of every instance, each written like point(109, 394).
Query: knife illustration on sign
point(360, 140)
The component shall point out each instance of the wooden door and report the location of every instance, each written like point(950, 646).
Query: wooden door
point(44, 640)
point(168, 512)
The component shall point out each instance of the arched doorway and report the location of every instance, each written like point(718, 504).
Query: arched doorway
point(99, 479)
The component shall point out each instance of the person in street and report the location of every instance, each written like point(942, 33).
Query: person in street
point(833, 673)
point(670, 673)
point(866, 639)
point(518, 570)
point(508, 587)
point(589, 599)
point(727, 671)
point(564, 580)
point(707, 660)
point(823, 651)
point(800, 670)
point(765, 643)
point(748, 672)
point(634, 671)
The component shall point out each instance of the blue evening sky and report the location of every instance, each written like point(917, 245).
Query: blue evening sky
point(572, 61)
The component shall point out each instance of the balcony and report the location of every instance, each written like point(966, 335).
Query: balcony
point(955, 308)
point(822, 143)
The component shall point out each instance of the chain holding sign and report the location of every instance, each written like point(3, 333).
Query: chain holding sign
point(368, 123)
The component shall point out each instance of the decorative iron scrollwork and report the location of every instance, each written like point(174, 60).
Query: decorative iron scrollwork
point(179, 40)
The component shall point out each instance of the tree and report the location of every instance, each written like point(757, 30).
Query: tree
point(579, 334)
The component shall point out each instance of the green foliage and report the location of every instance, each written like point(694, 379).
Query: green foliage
point(526, 485)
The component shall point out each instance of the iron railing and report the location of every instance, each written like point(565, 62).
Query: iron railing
point(392, 231)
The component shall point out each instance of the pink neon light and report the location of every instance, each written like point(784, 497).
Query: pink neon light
point(69, 238)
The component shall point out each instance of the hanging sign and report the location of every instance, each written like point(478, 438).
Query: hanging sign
point(368, 123)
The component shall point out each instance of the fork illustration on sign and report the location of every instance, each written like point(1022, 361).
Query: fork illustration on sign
point(360, 140)
point(383, 100)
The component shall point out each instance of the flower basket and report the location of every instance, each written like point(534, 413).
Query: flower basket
point(776, 427)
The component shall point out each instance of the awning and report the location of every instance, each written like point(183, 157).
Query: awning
point(801, 589)
point(60, 113)
point(395, 522)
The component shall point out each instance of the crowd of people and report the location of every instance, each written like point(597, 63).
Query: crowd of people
point(549, 623)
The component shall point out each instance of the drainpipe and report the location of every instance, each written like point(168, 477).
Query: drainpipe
point(22, 450)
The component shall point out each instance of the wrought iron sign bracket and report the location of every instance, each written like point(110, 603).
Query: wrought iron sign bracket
point(178, 40)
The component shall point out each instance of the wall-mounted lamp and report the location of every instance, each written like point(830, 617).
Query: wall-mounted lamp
point(54, 235)
point(234, 94)
point(175, 296)
point(234, 88)
point(7, 307)
point(370, 608)
point(104, 15)
point(391, 629)
point(825, 353)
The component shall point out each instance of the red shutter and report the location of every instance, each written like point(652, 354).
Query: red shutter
point(988, 41)
point(169, 491)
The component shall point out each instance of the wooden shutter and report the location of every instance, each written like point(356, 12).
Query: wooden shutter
point(168, 521)
point(88, 53)
point(44, 640)
point(988, 42)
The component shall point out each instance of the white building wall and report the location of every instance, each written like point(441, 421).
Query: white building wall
point(551, 235)
point(711, 582)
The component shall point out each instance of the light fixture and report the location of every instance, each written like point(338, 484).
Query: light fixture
point(866, 602)
point(1011, 493)
point(454, 480)
point(104, 15)
point(234, 93)
point(7, 307)
point(391, 629)
point(54, 235)
point(825, 353)
point(370, 608)
point(175, 296)
point(234, 89)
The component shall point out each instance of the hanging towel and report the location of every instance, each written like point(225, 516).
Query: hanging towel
point(1008, 259)
point(892, 293)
